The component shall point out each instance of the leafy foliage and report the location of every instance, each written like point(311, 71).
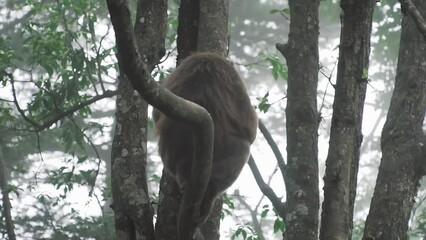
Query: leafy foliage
point(278, 69)
point(55, 62)
point(246, 232)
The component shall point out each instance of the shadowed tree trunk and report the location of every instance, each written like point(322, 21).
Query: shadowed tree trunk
point(345, 139)
point(403, 140)
point(301, 175)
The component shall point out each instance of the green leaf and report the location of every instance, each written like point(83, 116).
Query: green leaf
point(264, 213)
point(365, 73)
point(286, 11)
point(82, 159)
point(274, 11)
point(279, 225)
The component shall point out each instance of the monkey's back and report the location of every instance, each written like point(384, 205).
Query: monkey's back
point(210, 81)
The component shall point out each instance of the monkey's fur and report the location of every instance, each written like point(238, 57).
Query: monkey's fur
point(210, 81)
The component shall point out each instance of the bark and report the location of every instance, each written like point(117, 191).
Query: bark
point(345, 139)
point(6, 206)
point(213, 29)
point(131, 203)
point(403, 140)
point(301, 174)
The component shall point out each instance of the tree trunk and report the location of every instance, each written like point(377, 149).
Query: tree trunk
point(345, 139)
point(131, 203)
point(301, 175)
point(402, 139)
point(5, 204)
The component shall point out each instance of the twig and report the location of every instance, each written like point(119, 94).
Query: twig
point(92, 184)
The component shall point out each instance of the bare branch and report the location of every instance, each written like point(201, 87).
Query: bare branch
point(267, 190)
point(273, 145)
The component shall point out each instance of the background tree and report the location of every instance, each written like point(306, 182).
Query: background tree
point(342, 162)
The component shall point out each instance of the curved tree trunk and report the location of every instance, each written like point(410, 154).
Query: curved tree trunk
point(402, 139)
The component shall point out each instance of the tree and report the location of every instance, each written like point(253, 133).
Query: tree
point(342, 162)
point(301, 53)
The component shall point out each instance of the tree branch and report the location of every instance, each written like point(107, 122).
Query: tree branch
point(267, 190)
point(15, 101)
point(273, 145)
point(415, 14)
point(41, 126)
point(178, 108)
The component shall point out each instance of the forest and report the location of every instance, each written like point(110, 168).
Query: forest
point(338, 89)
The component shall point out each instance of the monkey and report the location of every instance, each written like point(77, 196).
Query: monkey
point(209, 80)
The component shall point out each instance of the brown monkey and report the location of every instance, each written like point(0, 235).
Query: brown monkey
point(210, 81)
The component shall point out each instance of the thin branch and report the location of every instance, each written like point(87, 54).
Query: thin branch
point(92, 184)
point(330, 75)
point(271, 176)
point(253, 214)
point(267, 190)
point(408, 6)
point(6, 100)
point(39, 145)
point(48, 123)
point(106, 94)
point(15, 101)
point(273, 145)
point(98, 60)
point(166, 57)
